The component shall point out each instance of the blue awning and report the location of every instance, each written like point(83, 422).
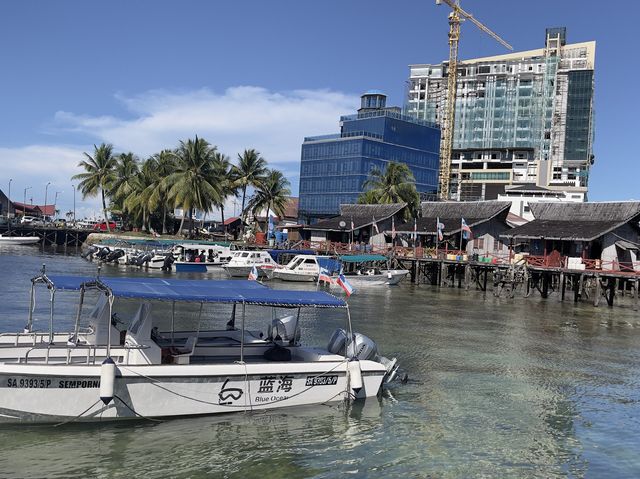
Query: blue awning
point(201, 291)
point(361, 258)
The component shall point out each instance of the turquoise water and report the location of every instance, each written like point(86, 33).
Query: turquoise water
point(498, 388)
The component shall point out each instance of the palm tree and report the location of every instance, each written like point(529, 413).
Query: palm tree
point(195, 182)
point(272, 194)
point(162, 164)
point(249, 171)
point(98, 175)
point(126, 171)
point(395, 184)
point(138, 201)
point(227, 182)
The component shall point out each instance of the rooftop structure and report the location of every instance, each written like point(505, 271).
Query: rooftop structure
point(522, 117)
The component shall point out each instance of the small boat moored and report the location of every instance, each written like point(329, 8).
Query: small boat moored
point(370, 270)
point(306, 268)
point(154, 366)
point(18, 240)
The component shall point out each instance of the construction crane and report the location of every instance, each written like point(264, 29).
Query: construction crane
point(456, 16)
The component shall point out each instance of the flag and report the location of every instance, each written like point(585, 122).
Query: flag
point(344, 284)
point(466, 231)
point(440, 228)
point(324, 276)
point(253, 274)
point(415, 229)
point(393, 228)
point(375, 226)
point(352, 225)
point(270, 227)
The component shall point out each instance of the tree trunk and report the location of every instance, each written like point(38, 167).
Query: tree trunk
point(144, 218)
point(164, 219)
point(224, 227)
point(190, 222)
point(181, 222)
point(104, 210)
point(244, 193)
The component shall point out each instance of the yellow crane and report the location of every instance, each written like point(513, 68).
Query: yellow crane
point(456, 16)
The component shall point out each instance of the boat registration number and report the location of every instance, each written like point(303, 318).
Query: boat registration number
point(45, 383)
point(331, 380)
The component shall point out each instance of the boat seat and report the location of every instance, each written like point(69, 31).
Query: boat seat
point(182, 355)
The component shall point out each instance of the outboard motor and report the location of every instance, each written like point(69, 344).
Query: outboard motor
point(168, 261)
point(142, 259)
point(361, 348)
point(103, 253)
point(90, 252)
point(286, 329)
point(114, 255)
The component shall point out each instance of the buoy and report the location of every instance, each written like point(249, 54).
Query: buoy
point(107, 380)
point(355, 376)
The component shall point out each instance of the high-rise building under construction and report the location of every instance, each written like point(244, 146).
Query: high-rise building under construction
point(523, 117)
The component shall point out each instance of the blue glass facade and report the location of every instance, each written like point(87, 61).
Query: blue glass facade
point(334, 167)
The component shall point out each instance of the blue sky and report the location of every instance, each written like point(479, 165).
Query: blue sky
point(254, 74)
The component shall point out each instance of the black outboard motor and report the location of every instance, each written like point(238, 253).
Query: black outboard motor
point(103, 253)
point(90, 252)
point(114, 255)
point(142, 259)
point(168, 261)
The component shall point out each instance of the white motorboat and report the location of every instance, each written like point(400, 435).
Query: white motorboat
point(370, 270)
point(18, 240)
point(305, 268)
point(106, 372)
point(243, 262)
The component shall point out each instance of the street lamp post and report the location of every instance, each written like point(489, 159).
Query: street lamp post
point(24, 204)
point(55, 202)
point(46, 188)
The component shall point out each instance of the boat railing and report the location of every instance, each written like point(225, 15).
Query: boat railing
point(42, 337)
point(92, 351)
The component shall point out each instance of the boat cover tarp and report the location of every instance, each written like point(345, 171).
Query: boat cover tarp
point(362, 258)
point(207, 291)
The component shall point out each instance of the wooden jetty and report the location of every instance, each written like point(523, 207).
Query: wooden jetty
point(50, 235)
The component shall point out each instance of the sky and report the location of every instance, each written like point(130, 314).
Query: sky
point(145, 74)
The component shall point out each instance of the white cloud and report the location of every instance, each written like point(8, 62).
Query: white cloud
point(242, 117)
point(274, 123)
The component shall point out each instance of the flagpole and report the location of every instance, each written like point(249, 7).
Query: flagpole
point(460, 235)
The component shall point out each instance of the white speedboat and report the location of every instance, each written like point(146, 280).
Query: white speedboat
point(18, 240)
point(106, 372)
point(243, 262)
point(370, 270)
point(305, 268)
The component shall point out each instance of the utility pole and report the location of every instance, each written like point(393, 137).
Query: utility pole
point(74, 205)
point(46, 188)
point(9, 200)
point(24, 204)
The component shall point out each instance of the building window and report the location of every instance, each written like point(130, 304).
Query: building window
point(478, 243)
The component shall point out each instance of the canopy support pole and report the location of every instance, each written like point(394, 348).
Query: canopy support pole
point(76, 329)
point(350, 330)
point(173, 322)
point(111, 298)
point(242, 334)
point(295, 331)
point(32, 306)
point(52, 298)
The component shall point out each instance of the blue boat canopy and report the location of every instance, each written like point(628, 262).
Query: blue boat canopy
point(362, 258)
point(201, 291)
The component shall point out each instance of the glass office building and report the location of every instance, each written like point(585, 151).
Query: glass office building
point(334, 167)
point(523, 117)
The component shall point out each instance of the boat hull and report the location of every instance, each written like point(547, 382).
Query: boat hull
point(243, 271)
point(37, 393)
point(387, 277)
point(294, 276)
point(192, 267)
point(19, 240)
